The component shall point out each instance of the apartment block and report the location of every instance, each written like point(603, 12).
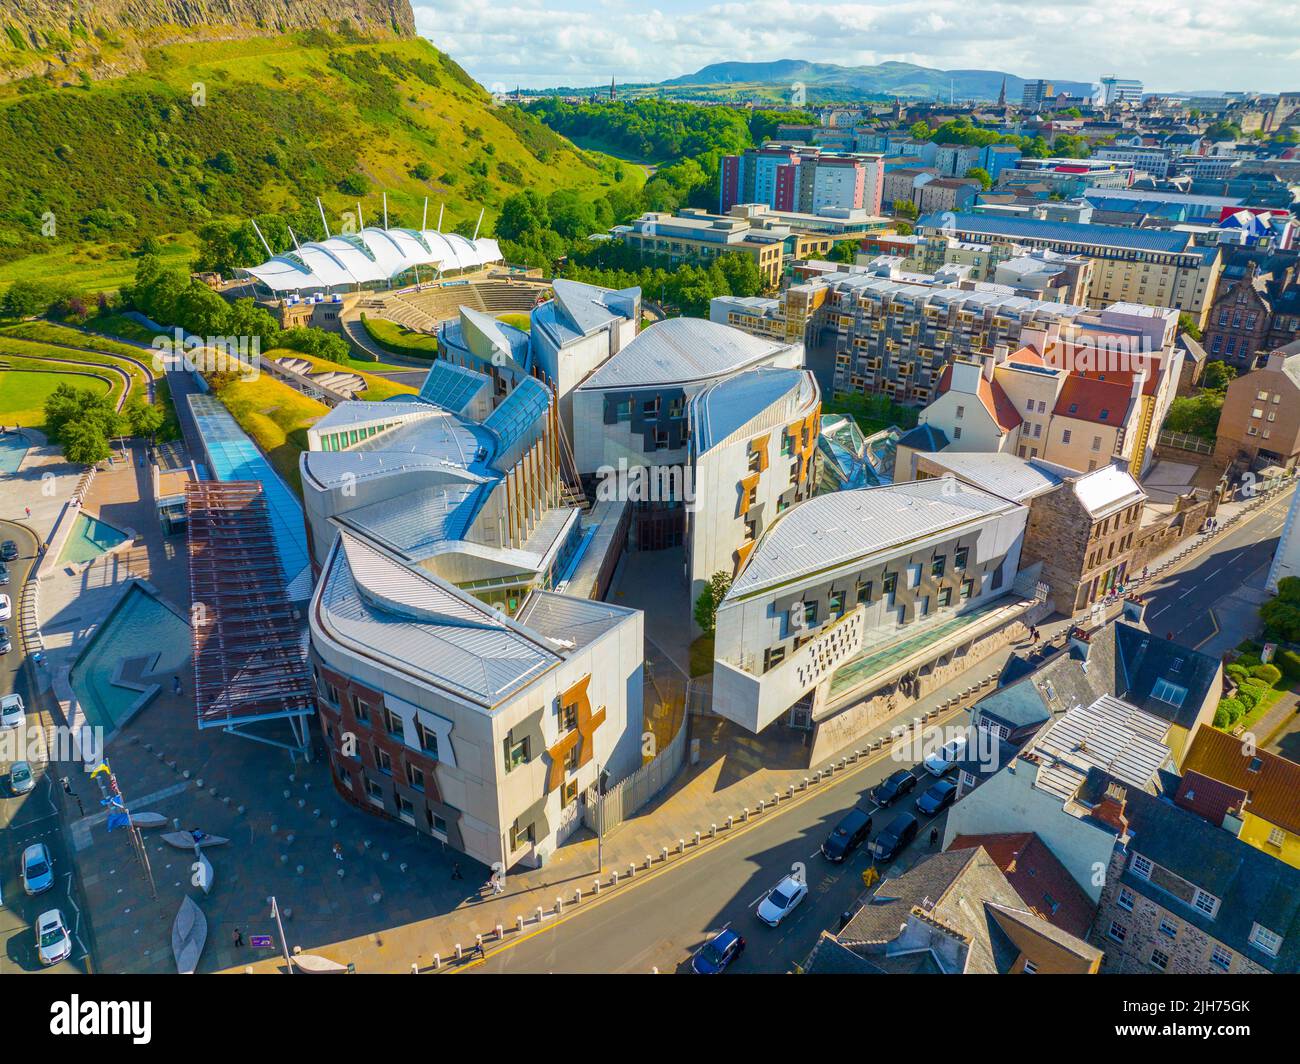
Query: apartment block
point(797, 177)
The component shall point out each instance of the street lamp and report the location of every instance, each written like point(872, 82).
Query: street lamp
point(284, 942)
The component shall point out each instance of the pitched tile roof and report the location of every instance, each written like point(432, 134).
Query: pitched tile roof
point(1102, 402)
point(1038, 877)
point(1208, 798)
point(1271, 782)
point(991, 396)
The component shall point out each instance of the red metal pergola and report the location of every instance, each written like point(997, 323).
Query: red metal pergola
point(250, 655)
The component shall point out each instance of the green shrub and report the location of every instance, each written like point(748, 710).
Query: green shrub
point(1289, 662)
point(1238, 674)
point(1248, 661)
point(1233, 710)
point(1270, 674)
point(1221, 717)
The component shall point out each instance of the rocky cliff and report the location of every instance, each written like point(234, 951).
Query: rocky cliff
point(106, 38)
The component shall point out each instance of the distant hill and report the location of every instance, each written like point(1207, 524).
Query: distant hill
point(830, 81)
point(233, 119)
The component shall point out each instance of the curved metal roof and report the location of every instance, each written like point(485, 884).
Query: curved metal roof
point(373, 255)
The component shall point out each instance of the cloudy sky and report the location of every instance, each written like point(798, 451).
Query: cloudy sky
point(1170, 45)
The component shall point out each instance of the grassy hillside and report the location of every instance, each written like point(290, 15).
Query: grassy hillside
point(222, 130)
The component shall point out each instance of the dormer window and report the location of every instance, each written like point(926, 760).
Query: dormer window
point(1269, 941)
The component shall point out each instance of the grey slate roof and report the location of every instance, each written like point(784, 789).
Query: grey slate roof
point(1168, 241)
point(924, 438)
point(569, 622)
point(1003, 474)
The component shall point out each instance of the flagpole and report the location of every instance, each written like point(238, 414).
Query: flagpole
point(112, 790)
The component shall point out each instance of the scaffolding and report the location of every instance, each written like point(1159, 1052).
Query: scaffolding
point(250, 647)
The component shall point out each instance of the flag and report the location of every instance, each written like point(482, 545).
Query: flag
point(103, 767)
point(118, 820)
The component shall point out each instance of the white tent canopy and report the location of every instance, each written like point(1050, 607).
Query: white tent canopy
point(373, 255)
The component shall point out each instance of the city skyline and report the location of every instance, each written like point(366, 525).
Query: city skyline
point(1194, 46)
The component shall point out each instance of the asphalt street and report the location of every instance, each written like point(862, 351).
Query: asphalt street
point(33, 817)
point(1182, 602)
point(659, 923)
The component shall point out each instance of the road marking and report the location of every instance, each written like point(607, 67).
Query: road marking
point(1214, 621)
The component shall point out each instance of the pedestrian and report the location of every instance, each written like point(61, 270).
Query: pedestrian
point(478, 948)
point(338, 852)
point(29, 510)
point(455, 870)
point(934, 837)
point(176, 686)
point(239, 939)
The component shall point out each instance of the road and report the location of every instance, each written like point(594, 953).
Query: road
point(32, 817)
point(658, 924)
point(1180, 602)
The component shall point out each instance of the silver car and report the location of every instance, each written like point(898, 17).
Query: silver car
point(53, 940)
point(38, 869)
point(21, 779)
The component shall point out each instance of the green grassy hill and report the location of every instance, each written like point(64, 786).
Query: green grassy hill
point(216, 130)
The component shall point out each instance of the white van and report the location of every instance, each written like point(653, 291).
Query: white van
point(945, 759)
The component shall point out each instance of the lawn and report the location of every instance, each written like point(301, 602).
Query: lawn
point(401, 340)
point(276, 417)
point(523, 322)
point(24, 389)
point(121, 325)
point(377, 388)
point(92, 267)
point(871, 412)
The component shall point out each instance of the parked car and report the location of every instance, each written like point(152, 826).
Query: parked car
point(12, 711)
point(895, 837)
point(6, 608)
point(21, 779)
point(937, 798)
point(6, 644)
point(53, 940)
point(947, 757)
point(781, 900)
point(713, 957)
point(4, 574)
point(850, 833)
point(37, 869)
point(8, 551)
point(889, 791)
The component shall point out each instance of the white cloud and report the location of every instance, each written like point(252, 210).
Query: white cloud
point(1169, 44)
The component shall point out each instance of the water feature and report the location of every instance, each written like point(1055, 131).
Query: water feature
point(13, 449)
point(90, 537)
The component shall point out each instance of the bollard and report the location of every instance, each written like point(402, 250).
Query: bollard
point(559, 906)
point(577, 896)
point(697, 838)
point(681, 845)
point(595, 887)
point(519, 923)
point(501, 932)
point(415, 968)
point(613, 878)
point(730, 820)
point(648, 861)
point(437, 962)
point(792, 790)
point(761, 805)
point(631, 869)
point(713, 830)
point(776, 797)
point(540, 913)
point(744, 813)
point(806, 781)
point(459, 953)
point(663, 853)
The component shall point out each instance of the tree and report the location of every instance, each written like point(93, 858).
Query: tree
point(1187, 324)
point(422, 171)
point(1218, 375)
point(1281, 614)
point(906, 209)
point(843, 251)
point(706, 606)
point(981, 175)
point(1196, 415)
point(85, 444)
point(68, 408)
point(920, 131)
point(144, 418)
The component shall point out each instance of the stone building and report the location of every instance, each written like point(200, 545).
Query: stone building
point(1260, 421)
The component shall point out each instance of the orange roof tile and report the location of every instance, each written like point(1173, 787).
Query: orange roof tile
point(1272, 782)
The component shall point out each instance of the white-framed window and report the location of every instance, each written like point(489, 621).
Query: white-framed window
point(1125, 899)
point(1159, 959)
point(1276, 837)
point(375, 793)
point(1221, 957)
point(1168, 927)
point(1206, 902)
point(1030, 968)
point(1140, 866)
point(1269, 941)
point(1117, 931)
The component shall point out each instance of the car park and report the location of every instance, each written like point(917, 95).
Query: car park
point(781, 900)
point(894, 838)
point(889, 791)
point(947, 757)
point(53, 939)
point(715, 955)
point(850, 833)
point(937, 798)
point(37, 868)
point(21, 779)
point(11, 711)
